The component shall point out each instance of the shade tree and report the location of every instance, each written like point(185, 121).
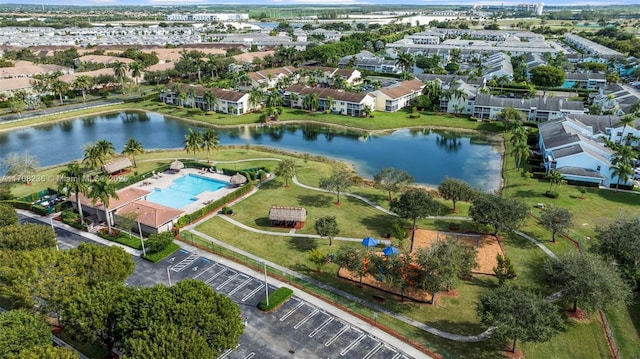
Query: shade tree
point(504, 269)
point(286, 169)
point(499, 213)
point(8, 215)
point(327, 227)
point(546, 77)
point(338, 182)
point(392, 180)
point(587, 281)
point(620, 242)
point(556, 219)
point(518, 314)
point(71, 181)
point(22, 330)
point(456, 190)
point(414, 204)
point(27, 236)
point(353, 260)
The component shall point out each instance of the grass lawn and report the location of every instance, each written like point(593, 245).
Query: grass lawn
point(157, 257)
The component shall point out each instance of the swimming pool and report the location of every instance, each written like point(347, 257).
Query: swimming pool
point(184, 190)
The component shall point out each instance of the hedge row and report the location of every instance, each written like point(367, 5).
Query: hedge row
point(213, 206)
point(37, 209)
point(276, 299)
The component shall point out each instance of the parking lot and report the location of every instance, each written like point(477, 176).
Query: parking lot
point(298, 329)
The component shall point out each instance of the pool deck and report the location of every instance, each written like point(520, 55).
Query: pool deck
point(165, 179)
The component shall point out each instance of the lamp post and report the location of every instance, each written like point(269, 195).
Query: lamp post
point(54, 234)
point(169, 275)
point(266, 286)
point(144, 253)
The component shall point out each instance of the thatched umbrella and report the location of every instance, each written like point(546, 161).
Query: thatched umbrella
point(237, 179)
point(176, 165)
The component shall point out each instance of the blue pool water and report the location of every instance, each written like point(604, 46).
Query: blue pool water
point(184, 190)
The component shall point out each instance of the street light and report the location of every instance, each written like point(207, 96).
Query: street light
point(169, 275)
point(144, 253)
point(266, 286)
point(54, 234)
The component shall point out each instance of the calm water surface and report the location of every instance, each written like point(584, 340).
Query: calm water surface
point(427, 155)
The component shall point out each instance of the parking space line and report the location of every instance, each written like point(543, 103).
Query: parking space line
point(374, 350)
point(305, 319)
point(227, 352)
point(241, 285)
point(284, 317)
point(251, 355)
point(212, 278)
point(353, 344)
point(185, 262)
point(318, 329)
point(203, 272)
point(227, 281)
point(339, 333)
point(253, 292)
point(397, 354)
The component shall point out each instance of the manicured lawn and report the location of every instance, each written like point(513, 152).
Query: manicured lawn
point(157, 257)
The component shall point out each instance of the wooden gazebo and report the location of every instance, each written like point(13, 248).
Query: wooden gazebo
point(287, 217)
point(117, 166)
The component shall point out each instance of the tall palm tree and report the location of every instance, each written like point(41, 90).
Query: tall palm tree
point(192, 143)
point(406, 62)
point(623, 171)
point(105, 149)
point(274, 99)
point(91, 157)
point(136, 68)
point(313, 102)
point(83, 83)
point(626, 120)
point(181, 94)
point(103, 190)
point(623, 154)
point(60, 88)
point(521, 151)
point(210, 140)
point(255, 97)
point(554, 177)
point(70, 180)
point(133, 147)
point(293, 97)
point(330, 101)
point(210, 99)
point(191, 94)
point(120, 71)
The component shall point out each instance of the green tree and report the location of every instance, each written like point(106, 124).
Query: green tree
point(157, 242)
point(136, 69)
point(353, 260)
point(60, 88)
point(83, 83)
point(620, 242)
point(557, 219)
point(497, 212)
point(414, 204)
point(210, 140)
point(193, 143)
point(511, 117)
point(132, 148)
point(554, 177)
point(8, 215)
point(587, 280)
point(22, 330)
point(327, 227)
point(396, 270)
point(255, 97)
point(442, 265)
point(521, 152)
point(210, 99)
point(545, 76)
point(120, 72)
point(392, 180)
point(101, 264)
point(622, 171)
point(103, 190)
point(71, 181)
point(286, 169)
point(518, 314)
point(339, 182)
point(504, 269)
point(47, 352)
point(406, 62)
point(456, 190)
point(317, 257)
point(179, 342)
point(26, 237)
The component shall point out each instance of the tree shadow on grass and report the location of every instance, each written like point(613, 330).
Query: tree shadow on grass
point(379, 198)
point(273, 184)
point(529, 193)
point(379, 224)
point(263, 222)
point(301, 268)
point(315, 200)
point(458, 226)
point(302, 244)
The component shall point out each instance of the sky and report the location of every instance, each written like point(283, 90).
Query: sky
point(312, 2)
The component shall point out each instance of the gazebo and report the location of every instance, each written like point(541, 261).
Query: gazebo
point(176, 165)
point(287, 217)
point(238, 179)
point(117, 166)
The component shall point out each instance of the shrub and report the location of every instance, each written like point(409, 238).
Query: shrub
point(157, 242)
point(184, 220)
point(226, 210)
point(552, 194)
point(414, 115)
point(276, 299)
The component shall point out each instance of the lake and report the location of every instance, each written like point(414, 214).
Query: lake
point(428, 155)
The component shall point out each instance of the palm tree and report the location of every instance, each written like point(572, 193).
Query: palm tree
point(133, 147)
point(181, 95)
point(312, 102)
point(255, 97)
point(623, 171)
point(70, 180)
point(293, 97)
point(209, 140)
point(554, 177)
point(83, 83)
point(623, 154)
point(191, 93)
point(120, 71)
point(406, 61)
point(105, 149)
point(91, 157)
point(626, 120)
point(103, 190)
point(60, 88)
point(192, 143)
point(210, 99)
point(274, 99)
point(329, 103)
point(521, 151)
point(136, 68)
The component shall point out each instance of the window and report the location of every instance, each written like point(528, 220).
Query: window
point(598, 168)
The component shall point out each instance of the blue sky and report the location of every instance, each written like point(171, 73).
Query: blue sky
point(310, 2)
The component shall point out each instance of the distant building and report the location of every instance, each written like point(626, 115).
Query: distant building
point(366, 60)
point(226, 101)
point(396, 97)
point(539, 109)
point(591, 48)
point(206, 17)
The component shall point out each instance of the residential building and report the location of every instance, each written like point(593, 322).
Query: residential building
point(585, 80)
point(539, 109)
point(226, 101)
point(207, 17)
point(591, 48)
point(269, 78)
point(615, 99)
point(366, 60)
point(567, 146)
point(344, 102)
point(497, 65)
point(397, 96)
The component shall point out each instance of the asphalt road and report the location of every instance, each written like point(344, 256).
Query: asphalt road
point(298, 329)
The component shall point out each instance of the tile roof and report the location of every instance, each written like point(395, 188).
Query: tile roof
point(103, 59)
point(402, 89)
point(150, 214)
point(125, 196)
point(579, 171)
point(220, 94)
point(323, 93)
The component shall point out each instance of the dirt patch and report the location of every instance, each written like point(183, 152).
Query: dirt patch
point(579, 316)
point(517, 355)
